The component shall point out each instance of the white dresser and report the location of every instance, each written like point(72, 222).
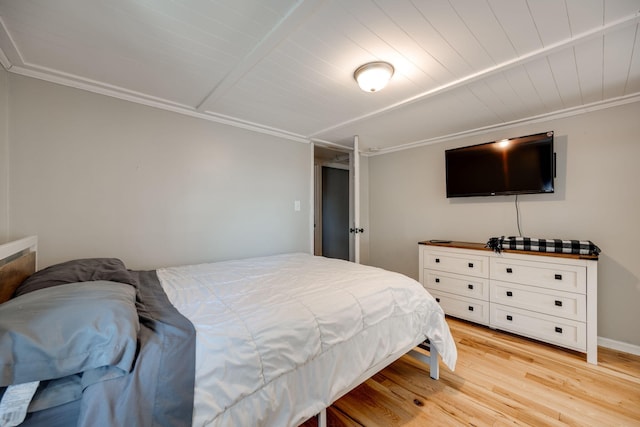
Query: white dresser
point(548, 297)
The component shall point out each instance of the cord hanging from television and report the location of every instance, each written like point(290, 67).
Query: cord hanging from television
point(518, 217)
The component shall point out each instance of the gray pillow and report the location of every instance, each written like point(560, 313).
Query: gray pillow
point(78, 270)
point(68, 329)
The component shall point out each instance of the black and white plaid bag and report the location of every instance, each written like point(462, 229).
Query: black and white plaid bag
point(581, 247)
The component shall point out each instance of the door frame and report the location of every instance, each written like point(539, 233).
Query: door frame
point(354, 196)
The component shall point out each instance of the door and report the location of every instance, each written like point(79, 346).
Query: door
point(355, 230)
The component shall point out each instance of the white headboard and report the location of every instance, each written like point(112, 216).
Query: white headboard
point(14, 248)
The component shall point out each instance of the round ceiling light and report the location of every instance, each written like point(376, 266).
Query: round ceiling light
point(373, 76)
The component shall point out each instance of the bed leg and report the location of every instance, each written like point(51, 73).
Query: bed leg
point(434, 367)
point(322, 418)
point(432, 360)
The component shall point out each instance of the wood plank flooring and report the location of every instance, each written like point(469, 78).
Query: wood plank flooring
point(500, 380)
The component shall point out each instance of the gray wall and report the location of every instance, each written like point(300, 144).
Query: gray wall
point(97, 176)
point(364, 210)
point(597, 198)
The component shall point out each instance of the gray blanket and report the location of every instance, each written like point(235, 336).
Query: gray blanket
point(159, 389)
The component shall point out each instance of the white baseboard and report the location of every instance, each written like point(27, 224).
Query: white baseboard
point(619, 345)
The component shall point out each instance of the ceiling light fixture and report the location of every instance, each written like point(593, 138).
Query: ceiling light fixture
point(373, 76)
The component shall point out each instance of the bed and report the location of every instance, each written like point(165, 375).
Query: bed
point(269, 341)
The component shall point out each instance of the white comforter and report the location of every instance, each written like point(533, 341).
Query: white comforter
point(278, 338)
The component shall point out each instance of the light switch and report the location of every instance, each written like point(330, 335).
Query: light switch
point(296, 205)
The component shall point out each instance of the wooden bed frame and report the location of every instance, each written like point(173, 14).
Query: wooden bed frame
point(18, 260)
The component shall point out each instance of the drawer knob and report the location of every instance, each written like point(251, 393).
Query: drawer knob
point(558, 276)
point(470, 265)
point(509, 293)
point(509, 270)
point(437, 260)
point(437, 280)
point(509, 317)
point(470, 308)
point(470, 286)
point(558, 329)
point(558, 303)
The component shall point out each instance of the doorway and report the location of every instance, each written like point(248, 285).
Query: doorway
point(332, 203)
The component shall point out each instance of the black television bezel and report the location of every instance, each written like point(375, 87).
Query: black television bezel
point(546, 138)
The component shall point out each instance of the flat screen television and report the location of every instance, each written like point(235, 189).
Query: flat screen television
point(523, 165)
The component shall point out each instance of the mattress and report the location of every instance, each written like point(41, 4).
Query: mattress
point(279, 338)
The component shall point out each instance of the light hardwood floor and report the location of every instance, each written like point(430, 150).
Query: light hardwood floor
point(500, 380)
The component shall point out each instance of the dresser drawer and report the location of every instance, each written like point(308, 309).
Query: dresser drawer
point(462, 307)
point(562, 277)
point(454, 262)
point(542, 300)
point(551, 329)
point(468, 286)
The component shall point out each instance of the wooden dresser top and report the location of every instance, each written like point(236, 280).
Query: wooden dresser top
point(484, 247)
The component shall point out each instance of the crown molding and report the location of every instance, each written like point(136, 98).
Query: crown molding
point(559, 114)
point(76, 82)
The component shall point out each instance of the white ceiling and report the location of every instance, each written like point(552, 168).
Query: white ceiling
point(286, 67)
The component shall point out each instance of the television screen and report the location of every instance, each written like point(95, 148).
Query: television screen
point(523, 165)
